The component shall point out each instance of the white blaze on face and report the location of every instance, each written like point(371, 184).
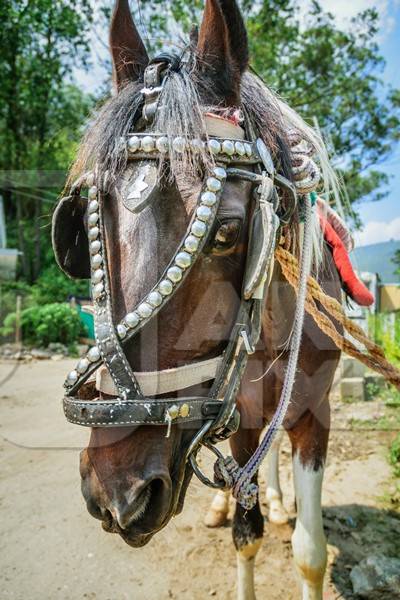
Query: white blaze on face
point(308, 540)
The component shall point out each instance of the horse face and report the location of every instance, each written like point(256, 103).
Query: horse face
point(134, 479)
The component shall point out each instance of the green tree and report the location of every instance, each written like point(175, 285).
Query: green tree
point(41, 112)
point(323, 72)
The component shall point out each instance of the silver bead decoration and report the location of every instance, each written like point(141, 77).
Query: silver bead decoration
point(214, 146)
point(240, 149)
point(83, 366)
point(162, 144)
point(154, 299)
point(197, 145)
point(165, 287)
point(94, 354)
point(145, 310)
point(93, 206)
point(249, 150)
point(208, 198)
point(204, 213)
point(95, 247)
point(98, 289)
point(228, 148)
point(93, 192)
point(179, 144)
point(132, 319)
point(93, 233)
point(97, 260)
point(183, 260)
point(98, 276)
point(199, 228)
point(148, 144)
point(93, 219)
point(121, 330)
point(220, 173)
point(174, 274)
point(191, 243)
point(72, 377)
point(133, 144)
point(213, 184)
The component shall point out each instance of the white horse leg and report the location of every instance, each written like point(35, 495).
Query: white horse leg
point(277, 513)
point(218, 512)
point(308, 540)
point(246, 557)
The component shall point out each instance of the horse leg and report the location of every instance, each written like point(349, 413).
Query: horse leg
point(248, 526)
point(277, 513)
point(218, 512)
point(309, 442)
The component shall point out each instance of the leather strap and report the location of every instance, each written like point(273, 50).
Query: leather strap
point(155, 383)
point(109, 413)
point(106, 338)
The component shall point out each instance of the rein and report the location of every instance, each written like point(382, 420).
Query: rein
point(215, 415)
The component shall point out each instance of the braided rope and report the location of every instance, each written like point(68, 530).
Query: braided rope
point(373, 356)
point(243, 489)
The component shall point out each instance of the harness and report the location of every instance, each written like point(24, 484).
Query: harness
point(215, 416)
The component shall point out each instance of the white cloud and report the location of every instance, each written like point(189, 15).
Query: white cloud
point(375, 232)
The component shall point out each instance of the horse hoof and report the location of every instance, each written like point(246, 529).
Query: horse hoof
point(215, 518)
point(278, 515)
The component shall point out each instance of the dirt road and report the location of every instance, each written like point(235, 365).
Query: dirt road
point(52, 549)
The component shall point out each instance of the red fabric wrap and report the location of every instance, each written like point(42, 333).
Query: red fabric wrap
point(351, 283)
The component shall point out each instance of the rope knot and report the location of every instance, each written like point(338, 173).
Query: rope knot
point(227, 471)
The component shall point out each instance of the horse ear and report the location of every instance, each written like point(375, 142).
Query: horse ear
point(128, 52)
point(222, 49)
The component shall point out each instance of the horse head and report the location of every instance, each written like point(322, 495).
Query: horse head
point(164, 237)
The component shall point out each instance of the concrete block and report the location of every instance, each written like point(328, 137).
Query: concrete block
point(353, 389)
point(351, 367)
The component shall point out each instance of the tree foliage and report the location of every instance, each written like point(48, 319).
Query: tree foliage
point(41, 112)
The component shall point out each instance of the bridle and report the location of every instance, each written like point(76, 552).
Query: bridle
point(215, 416)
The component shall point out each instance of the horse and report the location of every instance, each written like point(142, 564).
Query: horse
point(148, 386)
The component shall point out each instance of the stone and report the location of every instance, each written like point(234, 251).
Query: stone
point(39, 354)
point(352, 367)
point(377, 577)
point(353, 389)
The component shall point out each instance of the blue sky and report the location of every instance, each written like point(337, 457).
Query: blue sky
point(382, 219)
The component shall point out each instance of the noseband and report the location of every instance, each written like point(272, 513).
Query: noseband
point(214, 416)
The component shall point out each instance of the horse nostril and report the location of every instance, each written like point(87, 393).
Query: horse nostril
point(134, 507)
point(127, 513)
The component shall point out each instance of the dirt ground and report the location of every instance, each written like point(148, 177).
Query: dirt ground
point(52, 549)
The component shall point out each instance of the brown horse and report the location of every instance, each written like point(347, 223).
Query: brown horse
point(130, 474)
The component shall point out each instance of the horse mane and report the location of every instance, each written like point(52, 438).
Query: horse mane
point(182, 114)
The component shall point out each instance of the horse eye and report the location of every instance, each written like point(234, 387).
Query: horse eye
point(227, 235)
